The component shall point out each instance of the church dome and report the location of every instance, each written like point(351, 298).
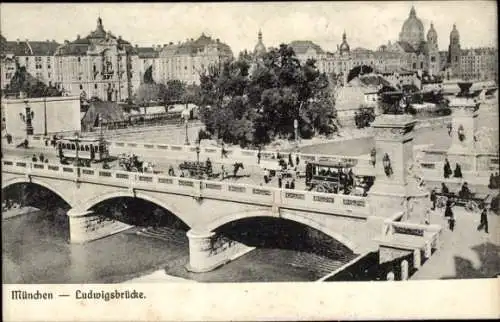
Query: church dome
point(432, 34)
point(344, 47)
point(259, 49)
point(413, 30)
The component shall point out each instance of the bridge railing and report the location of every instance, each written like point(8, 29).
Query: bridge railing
point(354, 206)
point(431, 233)
point(214, 153)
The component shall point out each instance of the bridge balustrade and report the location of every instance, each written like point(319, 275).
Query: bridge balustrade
point(293, 199)
point(241, 154)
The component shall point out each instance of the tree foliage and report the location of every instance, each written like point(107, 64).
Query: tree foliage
point(175, 91)
point(244, 106)
point(22, 81)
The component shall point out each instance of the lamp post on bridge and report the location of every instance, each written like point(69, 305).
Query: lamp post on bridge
point(198, 156)
point(296, 128)
point(77, 148)
point(185, 115)
point(27, 117)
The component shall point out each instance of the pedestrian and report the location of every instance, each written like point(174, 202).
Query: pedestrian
point(266, 175)
point(433, 199)
point(458, 171)
point(46, 160)
point(491, 185)
point(292, 184)
point(223, 172)
point(484, 219)
point(280, 179)
point(444, 188)
point(451, 221)
point(46, 142)
point(290, 160)
point(447, 169)
point(450, 128)
point(287, 185)
point(34, 159)
point(448, 212)
point(41, 157)
point(258, 157)
point(297, 160)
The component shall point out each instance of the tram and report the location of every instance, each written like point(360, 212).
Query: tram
point(336, 177)
point(89, 149)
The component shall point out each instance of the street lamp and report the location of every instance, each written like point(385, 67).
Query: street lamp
point(185, 115)
point(198, 156)
point(77, 147)
point(27, 117)
point(296, 127)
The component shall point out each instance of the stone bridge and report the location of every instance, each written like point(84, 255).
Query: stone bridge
point(202, 205)
point(359, 223)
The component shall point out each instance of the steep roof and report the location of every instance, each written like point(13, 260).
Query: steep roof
point(108, 111)
point(300, 47)
point(146, 52)
point(80, 46)
point(192, 47)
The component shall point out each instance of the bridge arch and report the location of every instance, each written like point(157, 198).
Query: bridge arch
point(91, 202)
point(302, 219)
point(63, 195)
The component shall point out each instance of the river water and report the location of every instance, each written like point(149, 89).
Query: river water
point(35, 249)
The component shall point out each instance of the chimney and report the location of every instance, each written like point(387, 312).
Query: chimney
point(17, 40)
point(217, 40)
point(192, 39)
point(119, 37)
point(171, 43)
point(164, 45)
point(77, 36)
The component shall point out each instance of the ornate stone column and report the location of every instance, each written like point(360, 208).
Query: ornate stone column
point(394, 188)
point(464, 127)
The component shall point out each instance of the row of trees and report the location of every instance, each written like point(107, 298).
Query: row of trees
point(171, 92)
point(253, 107)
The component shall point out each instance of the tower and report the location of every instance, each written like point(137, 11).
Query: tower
point(412, 31)
point(454, 52)
point(344, 47)
point(433, 51)
point(259, 49)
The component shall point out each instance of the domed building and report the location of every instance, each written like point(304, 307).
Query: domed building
point(412, 31)
point(344, 48)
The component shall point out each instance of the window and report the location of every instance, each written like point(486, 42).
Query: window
point(49, 75)
point(95, 86)
point(433, 59)
point(79, 60)
point(81, 86)
point(421, 64)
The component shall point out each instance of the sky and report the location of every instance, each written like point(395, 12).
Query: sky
point(367, 24)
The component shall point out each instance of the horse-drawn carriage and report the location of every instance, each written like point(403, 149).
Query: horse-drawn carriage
point(336, 177)
point(471, 202)
point(197, 169)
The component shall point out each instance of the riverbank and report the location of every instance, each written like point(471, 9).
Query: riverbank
point(15, 212)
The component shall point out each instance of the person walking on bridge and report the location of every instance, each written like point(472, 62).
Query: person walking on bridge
point(484, 219)
point(258, 156)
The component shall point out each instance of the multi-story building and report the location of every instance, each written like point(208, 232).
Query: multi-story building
point(99, 65)
point(479, 64)
point(35, 56)
point(186, 61)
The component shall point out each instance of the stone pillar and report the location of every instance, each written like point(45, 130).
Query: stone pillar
point(464, 126)
point(404, 270)
point(417, 260)
point(394, 188)
point(207, 251)
point(86, 226)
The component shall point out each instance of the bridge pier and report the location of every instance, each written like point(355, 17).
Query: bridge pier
point(209, 250)
point(86, 226)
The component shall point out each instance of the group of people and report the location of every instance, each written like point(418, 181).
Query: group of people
point(494, 181)
point(41, 158)
point(448, 172)
point(451, 201)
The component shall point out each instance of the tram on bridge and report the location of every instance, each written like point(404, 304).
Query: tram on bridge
point(87, 149)
point(336, 177)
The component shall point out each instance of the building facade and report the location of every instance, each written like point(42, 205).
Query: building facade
point(35, 56)
point(186, 61)
point(100, 65)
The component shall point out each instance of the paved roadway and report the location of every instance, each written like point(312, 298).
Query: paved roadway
point(251, 174)
point(465, 252)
